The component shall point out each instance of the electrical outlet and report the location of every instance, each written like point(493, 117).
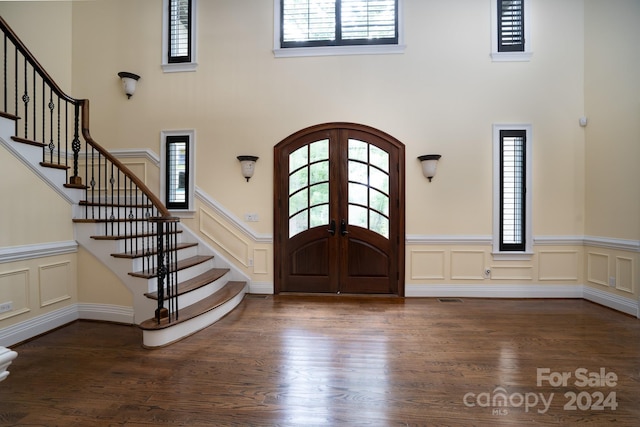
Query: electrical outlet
point(251, 217)
point(612, 282)
point(487, 273)
point(6, 306)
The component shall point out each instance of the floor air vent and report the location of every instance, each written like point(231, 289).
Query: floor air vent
point(449, 300)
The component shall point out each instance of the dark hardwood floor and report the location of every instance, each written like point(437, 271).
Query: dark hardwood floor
point(341, 361)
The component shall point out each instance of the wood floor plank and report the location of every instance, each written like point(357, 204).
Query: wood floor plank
point(334, 361)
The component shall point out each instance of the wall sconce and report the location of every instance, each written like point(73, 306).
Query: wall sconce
point(248, 165)
point(129, 81)
point(429, 165)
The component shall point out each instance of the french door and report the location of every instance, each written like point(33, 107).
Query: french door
point(339, 211)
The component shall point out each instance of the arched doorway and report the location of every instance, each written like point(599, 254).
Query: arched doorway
point(339, 211)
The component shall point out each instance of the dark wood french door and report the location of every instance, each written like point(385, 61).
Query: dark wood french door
point(339, 211)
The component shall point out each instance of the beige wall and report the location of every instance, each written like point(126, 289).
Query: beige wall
point(612, 96)
point(52, 21)
point(612, 104)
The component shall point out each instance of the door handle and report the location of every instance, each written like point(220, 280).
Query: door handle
point(343, 228)
point(332, 227)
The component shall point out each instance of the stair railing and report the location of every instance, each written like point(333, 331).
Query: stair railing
point(115, 197)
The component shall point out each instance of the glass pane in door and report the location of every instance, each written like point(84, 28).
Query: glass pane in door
point(308, 187)
point(368, 187)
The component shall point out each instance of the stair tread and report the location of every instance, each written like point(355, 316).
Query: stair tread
point(196, 282)
point(28, 141)
point(151, 251)
point(127, 236)
point(107, 220)
point(181, 265)
point(9, 116)
point(229, 291)
point(114, 205)
point(54, 165)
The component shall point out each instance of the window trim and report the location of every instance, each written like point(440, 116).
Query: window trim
point(190, 179)
point(528, 251)
point(497, 56)
point(365, 49)
point(172, 67)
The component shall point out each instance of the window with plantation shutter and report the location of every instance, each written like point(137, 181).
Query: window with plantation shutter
point(510, 25)
point(179, 35)
point(179, 31)
point(312, 23)
point(512, 190)
point(511, 30)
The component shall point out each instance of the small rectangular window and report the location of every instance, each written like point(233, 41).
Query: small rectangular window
point(180, 27)
point(512, 190)
point(511, 26)
point(309, 23)
point(177, 172)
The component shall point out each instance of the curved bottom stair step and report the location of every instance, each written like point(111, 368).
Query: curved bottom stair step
point(194, 283)
point(193, 318)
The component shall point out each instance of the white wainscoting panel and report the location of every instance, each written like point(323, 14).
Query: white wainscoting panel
point(54, 282)
point(14, 288)
point(512, 272)
point(598, 268)
point(261, 261)
point(624, 274)
point(427, 265)
point(558, 265)
point(467, 265)
point(233, 243)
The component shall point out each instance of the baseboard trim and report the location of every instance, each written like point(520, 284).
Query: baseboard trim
point(616, 302)
point(38, 325)
point(261, 288)
point(105, 312)
point(495, 291)
point(33, 327)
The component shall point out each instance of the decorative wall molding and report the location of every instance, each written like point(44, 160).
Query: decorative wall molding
point(212, 204)
point(39, 250)
point(416, 239)
point(601, 242)
point(137, 153)
point(611, 243)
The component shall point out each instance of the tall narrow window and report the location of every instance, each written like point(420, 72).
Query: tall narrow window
point(177, 169)
point(179, 31)
point(510, 26)
point(178, 40)
point(333, 23)
point(512, 192)
point(177, 172)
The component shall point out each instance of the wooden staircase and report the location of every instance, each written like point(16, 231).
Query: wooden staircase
point(179, 284)
point(206, 290)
